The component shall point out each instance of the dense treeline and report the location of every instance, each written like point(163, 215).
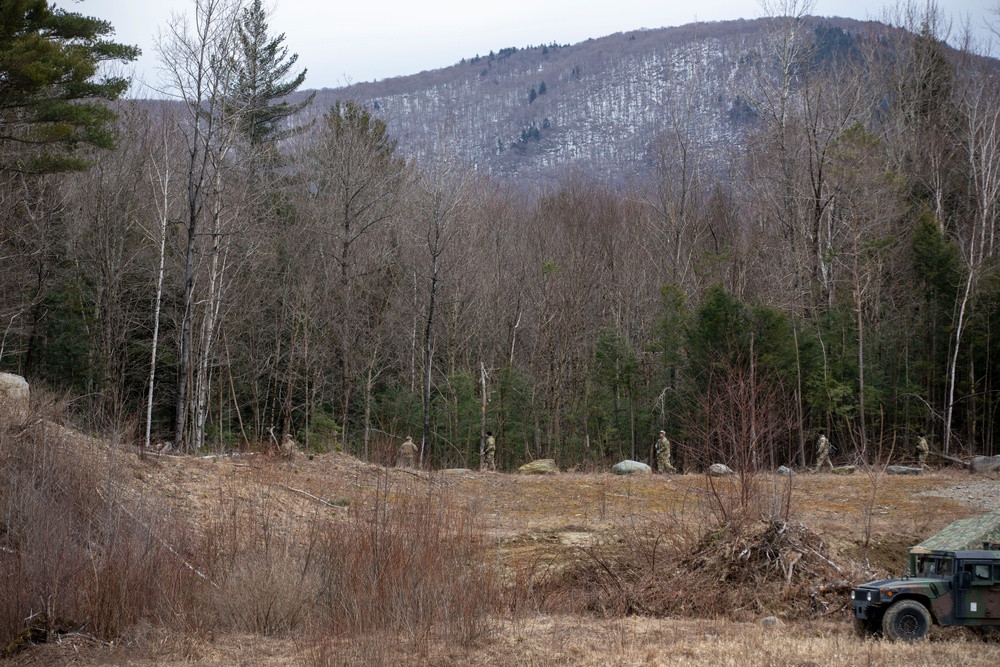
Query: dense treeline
point(840, 272)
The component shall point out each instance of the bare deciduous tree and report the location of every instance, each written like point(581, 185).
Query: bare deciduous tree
point(443, 192)
point(355, 180)
point(197, 59)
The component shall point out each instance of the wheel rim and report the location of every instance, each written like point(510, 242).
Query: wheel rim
point(911, 625)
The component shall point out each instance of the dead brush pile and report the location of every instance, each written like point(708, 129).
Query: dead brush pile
point(765, 567)
point(738, 571)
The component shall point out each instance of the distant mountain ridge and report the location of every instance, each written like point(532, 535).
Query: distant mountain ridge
point(531, 113)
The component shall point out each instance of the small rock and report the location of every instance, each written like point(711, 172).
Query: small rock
point(904, 470)
point(629, 467)
point(785, 471)
point(720, 470)
point(455, 471)
point(14, 395)
point(843, 470)
point(539, 467)
point(770, 621)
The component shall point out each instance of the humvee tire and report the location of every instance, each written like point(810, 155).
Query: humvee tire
point(906, 620)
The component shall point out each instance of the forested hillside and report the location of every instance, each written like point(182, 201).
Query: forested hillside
point(739, 232)
point(532, 114)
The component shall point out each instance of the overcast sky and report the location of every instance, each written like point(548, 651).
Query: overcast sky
point(349, 41)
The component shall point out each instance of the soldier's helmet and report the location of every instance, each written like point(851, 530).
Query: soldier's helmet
point(663, 432)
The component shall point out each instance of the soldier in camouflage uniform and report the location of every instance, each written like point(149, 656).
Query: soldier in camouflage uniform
point(663, 454)
point(288, 446)
point(922, 450)
point(822, 451)
point(408, 454)
point(490, 452)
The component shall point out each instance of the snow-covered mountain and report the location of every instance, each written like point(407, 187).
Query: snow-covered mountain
point(532, 113)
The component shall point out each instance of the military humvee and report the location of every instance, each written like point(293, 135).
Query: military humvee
point(954, 579)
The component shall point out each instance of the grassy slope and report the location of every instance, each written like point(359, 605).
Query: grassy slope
point(567, 549)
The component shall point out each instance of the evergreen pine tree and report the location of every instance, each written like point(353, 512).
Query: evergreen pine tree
point(51, 99)
point(262, 76)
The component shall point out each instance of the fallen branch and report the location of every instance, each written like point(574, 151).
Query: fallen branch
point(328, 503)
point(223, 457)
point(159, 539)
point(164, 455)
point(70, 637)
point(824, 558)
point(951, 458)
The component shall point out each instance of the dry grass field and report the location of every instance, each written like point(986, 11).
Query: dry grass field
point(324, 560)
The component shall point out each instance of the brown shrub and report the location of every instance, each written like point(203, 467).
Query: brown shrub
point(261, 578)
point(397, 565)
point(411, 565)
point(72, 554)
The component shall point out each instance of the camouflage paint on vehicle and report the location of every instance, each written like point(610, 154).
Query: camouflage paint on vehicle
point(954, 574)
point(978, 532)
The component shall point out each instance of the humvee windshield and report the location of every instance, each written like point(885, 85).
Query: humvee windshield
point(933, 566)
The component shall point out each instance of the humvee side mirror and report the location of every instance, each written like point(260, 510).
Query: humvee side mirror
point(965, 580)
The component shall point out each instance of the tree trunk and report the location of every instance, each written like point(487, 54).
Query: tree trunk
point(482, 417)
point(164, 218)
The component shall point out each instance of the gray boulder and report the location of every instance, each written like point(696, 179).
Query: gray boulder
point(981, 464)
point(14, 396)
point(785, 471)
point(904, 470)
point(720, 470)
point(843, 470)
point(629, 467)
point(539, 467)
